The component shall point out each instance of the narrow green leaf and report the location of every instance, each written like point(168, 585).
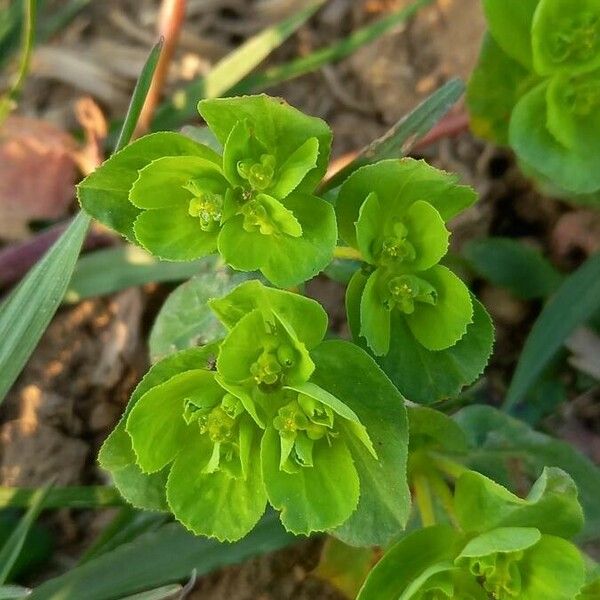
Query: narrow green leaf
point(330, 54)
point(230, 70)
point(12, 547)
point(575, 302)
point(139, 97)
point(399, 140)
point(163, 593)
point(158, 558)
point(89, 496)
point(25, 315)
point(107, 271)
point(13, 592)
point(514, 265)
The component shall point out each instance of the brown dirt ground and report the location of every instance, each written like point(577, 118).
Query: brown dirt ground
point(78, 380)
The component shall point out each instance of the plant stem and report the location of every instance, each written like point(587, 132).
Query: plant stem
point(347, 253)
point(448, 466)
point(442, 490)
point(422, 492)
point(7, 102)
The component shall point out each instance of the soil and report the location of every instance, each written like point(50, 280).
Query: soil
point(78, 380)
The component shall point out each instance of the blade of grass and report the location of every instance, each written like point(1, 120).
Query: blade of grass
point(12, 547)
point(89, 496)
point(8, 101)
point(401, 138)
point(158, 558)
point(111, 270)
point(13, 592)
point(27, 312)
point(330, 54)
point(230, 70)
point(575, 302)
point(162, 593)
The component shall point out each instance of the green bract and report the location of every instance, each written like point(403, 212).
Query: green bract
point(537, 87)
point(254, 203)
point(264, 422)
point(503, 547)
point(394, 212)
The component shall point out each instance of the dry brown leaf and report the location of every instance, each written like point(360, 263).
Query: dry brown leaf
point(37, 174)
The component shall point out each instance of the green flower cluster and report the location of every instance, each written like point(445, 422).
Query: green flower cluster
point(257, 426)
point(253, 203)
point(394, 213)
point(503, 548)
point(540, 64)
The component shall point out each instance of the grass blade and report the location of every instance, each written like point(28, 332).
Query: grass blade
point(399, 140)
point(330, 54)
point(13, 592)
point(162, 593)
point(114, 269)
point(230, 70)
point(12, 547)
point(89, 496)
point(25, 315)
point(139, 97)
point(168, 555)
point(575, 302)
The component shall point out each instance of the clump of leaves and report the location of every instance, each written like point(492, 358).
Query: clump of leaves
point(253, 202)
point(537, 88)
point(269, 419)
point(415, 315)
point(502, 547)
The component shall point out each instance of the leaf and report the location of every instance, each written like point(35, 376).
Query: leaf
point(185, 319)
point(215, 504)
point(352, 376)
point(107, 271)
point(514, 265)
point(399, 184)
point(230, 70)
point(510, 24)
point(421, 375)
point(105, 193)
point(281, 128)
point(574, 303)
point(407, 559)
point(284, 260)
point(399, 140)
point(553, 569)
point(305, 316)
point(157, 558)
point(498, 442)
point(27, 312)
point(503, 540)
point(116, 454)
point(565, 37)
point(11, 548)
point(433, 430)
point(551, 506)
point(162, 593)
point(13, 592)
point(494, 89)
point(573, 170)
point(89, 496)
point(315, 498)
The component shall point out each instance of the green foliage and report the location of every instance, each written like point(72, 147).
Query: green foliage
point(502, 547)
point(272, 422)
point(536, 88)
point(403, 303)
point(253, 204)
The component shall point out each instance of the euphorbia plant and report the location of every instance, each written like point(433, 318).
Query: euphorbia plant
point(270, 412)
point(537, 88)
